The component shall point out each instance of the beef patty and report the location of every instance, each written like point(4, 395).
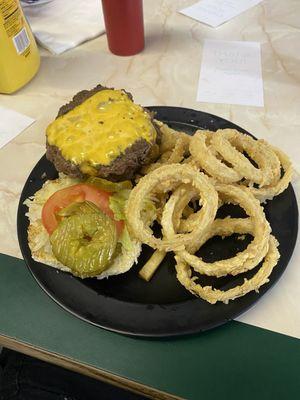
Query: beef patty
point(122, 167)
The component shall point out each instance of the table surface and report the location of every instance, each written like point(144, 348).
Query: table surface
point(165, 73)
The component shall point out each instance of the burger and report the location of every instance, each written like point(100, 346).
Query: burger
point(97, 143)
point(101, 132)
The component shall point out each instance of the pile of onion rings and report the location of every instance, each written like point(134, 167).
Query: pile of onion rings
point(208, 170)
point(221, 155)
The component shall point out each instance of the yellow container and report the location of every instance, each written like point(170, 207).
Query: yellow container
point(19, 56)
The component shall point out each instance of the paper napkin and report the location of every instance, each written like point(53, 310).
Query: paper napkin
point(60, 25)
point(12, 124)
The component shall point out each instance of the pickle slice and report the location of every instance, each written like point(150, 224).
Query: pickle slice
point(85, 241)
point(108, 185)
point(83, 207)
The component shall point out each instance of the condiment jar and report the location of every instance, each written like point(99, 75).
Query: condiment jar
point(124, 26)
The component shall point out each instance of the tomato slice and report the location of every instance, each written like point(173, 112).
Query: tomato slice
point(76, 193)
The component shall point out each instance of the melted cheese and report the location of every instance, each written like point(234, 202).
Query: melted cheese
point(100, 129)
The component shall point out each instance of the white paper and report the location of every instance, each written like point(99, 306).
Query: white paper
point(63, 24)
point(12, 124)
point(216, 12)
point(231, 73)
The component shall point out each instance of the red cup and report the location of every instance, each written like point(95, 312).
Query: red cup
point(124, 26)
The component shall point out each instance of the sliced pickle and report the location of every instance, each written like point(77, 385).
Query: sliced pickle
point(108, 185)
point(85, 241)
point(83, 207)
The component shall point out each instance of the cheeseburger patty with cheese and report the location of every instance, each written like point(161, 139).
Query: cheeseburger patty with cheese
point(101, 132)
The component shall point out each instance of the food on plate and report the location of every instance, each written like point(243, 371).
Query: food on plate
point(263, 247)
point(269, 192)
point(72, 195)
point(173, 148)
point(243, 180)
point(164, 179)
point(212, 295)
point(152, 264)
point(244, 261)
point(124, 176)
point(221, 155)
point(102, 133)
point(85, 239)
point(80, 228)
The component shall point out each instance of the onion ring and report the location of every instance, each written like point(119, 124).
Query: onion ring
point(230, 144)
point(173, 148)
point(269, 192)
point(213, 295)
point(255, 251)
point(169, 157)
point(170, 137)
point(205, 157)
point(220, 154)
point(167, 178)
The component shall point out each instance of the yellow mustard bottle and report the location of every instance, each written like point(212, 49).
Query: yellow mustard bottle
point(19, 56)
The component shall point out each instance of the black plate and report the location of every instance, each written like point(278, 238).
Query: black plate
point(162, 307)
